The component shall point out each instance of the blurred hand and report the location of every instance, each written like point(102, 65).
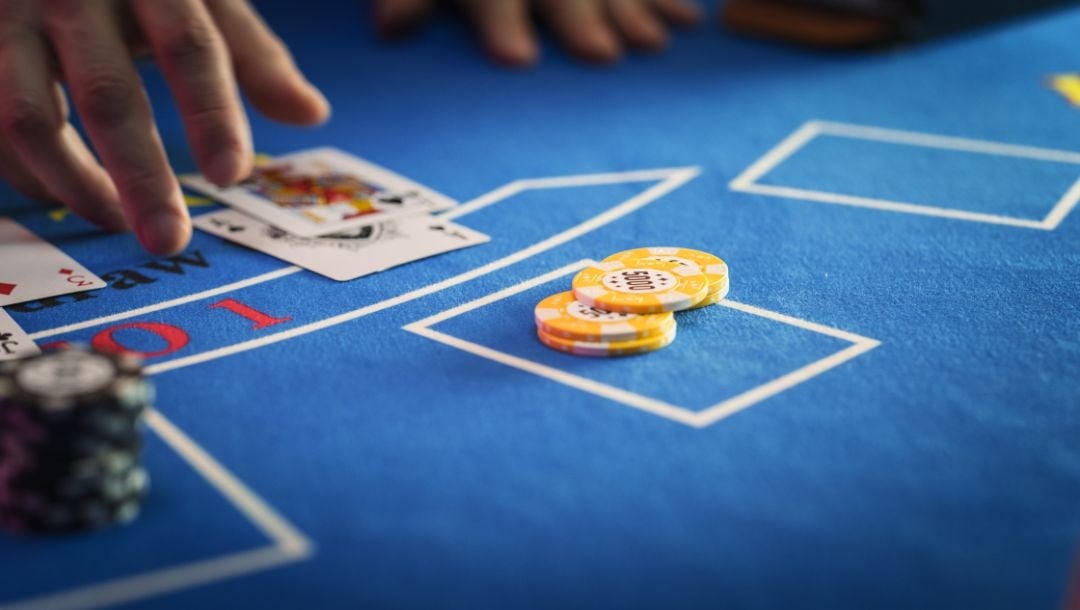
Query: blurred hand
point(594, 30)
point(204, 47)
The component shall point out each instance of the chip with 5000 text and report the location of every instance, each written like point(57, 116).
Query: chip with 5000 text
point(640, 286)
point(716, 270)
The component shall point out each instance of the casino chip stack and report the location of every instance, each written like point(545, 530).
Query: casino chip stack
point(624, 305)
point(70, 441)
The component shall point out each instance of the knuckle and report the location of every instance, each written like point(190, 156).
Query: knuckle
point(188, 40)
point(211, 114)
point(105, 99)
point(143, 183)
point(23, 120)
point(270, 50)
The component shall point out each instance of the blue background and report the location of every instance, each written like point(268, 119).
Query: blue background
point(939, 470)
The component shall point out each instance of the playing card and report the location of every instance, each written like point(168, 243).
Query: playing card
point(32, 268)
point(347, 255)
point(14, 342)
point(324, 191)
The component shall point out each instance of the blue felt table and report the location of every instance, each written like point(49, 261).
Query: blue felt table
point(885, 414)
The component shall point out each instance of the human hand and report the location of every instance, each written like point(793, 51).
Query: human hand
point(594, 30)
point(204, 47)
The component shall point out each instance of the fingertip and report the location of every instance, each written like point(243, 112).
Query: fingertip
point(297, 103)
point(164, 233)
point(640, 28)
point(227, 166)
point(518, 52)
point(318, 107)
point(310, 106)
point(600, 48)
point(680, 12)
point(505, 31)
point(652, 39)
point(514, 60)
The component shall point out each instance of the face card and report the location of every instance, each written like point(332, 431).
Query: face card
point(32, 268)
point(347, 255)
point(14, 342)
point(324, 191)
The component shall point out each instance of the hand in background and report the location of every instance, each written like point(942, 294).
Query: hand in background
point(205, 49)
point(594, 30)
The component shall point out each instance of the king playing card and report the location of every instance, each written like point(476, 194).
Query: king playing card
point(350, 254)
point(324, 191)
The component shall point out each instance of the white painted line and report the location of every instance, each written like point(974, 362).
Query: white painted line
point(530, 184)
point(503, 192)
point(789, 146)
point(1063, 207)
point(284, 535)
point(682, 415)
point(643, 175)
point(637, 401)
point(674, 181)
point(671, 179)
point(929, 140)
point(746, 182)
point(630, 399)
point(500, 295)
point(890, 206)
point(169, 580)
point(191, 298)
point(289, 544)
point(793, 321)
point(466, 208)
point(749, 398)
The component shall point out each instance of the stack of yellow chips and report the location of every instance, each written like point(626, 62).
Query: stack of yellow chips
point(624, 305)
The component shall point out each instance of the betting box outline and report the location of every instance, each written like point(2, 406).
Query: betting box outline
point(747, 181)
point(697, 419)
point(289, 544)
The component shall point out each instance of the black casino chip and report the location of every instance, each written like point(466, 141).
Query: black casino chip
point(70, 441)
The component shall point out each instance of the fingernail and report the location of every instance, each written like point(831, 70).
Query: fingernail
point(164, 233)
point(320, 100)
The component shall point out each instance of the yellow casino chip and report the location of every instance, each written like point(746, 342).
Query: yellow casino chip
point(561, 315)
point(640, 286)
point(716, 270)
point(607, 350)
point(713, 298)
